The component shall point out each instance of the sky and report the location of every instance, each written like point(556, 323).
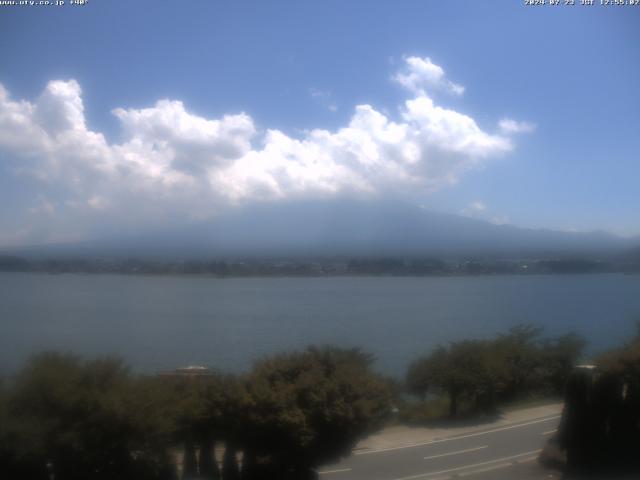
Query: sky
point(123, 116)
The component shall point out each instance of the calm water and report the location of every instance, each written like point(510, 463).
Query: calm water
point(163, 322)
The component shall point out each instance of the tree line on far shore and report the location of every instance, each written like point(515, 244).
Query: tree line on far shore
point(312, 267)
point(74, 418)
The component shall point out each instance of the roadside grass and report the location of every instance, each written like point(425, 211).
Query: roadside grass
point(424, 411)
point(434, 410)
point(530, 402)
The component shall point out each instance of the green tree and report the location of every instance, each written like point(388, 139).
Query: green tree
point(311, 407)
point(600, 426)
point(470, 369)
point(559, 357)
point(485, 372)
point(207, 409)
point(520, 352)
point(76, 419)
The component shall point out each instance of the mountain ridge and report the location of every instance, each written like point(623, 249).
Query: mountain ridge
point(339, 228)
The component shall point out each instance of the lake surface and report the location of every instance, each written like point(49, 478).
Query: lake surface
point(163, 322)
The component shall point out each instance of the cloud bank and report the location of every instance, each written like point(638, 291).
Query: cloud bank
point(173, 163)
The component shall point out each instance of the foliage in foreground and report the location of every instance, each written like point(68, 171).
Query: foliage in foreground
point(600, 427)
point(81, 419)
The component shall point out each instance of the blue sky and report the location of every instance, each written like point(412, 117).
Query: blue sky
point(96, 151)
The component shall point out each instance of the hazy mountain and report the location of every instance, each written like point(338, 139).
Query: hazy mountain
point(345, 227)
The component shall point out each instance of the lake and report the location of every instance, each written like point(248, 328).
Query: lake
point(162, 322)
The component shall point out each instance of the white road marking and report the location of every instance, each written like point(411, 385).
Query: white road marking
point(431, 442)
point(550, 432)
point(467, 467)
point(337, 470)
point(496, 467)
point(456, 453)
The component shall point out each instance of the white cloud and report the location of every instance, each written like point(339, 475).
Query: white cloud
point(474, 209)
point(509, 126)
point(176, 164)
point(500, 220)
point(420, 75)
point(60, 107)
point(98, 203)
point(478, 206)
point(317, 93)
point(185, 142)
point(324, 98)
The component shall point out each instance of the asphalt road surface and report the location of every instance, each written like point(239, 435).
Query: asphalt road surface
point(504, 452)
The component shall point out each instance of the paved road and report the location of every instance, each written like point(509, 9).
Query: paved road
point(505, 451)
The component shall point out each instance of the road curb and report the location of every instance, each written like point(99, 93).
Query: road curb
point(445, 434)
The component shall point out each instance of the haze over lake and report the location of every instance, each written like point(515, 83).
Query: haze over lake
point(160, 322)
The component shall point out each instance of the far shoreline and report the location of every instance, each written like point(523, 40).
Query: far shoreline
point(325, 267)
